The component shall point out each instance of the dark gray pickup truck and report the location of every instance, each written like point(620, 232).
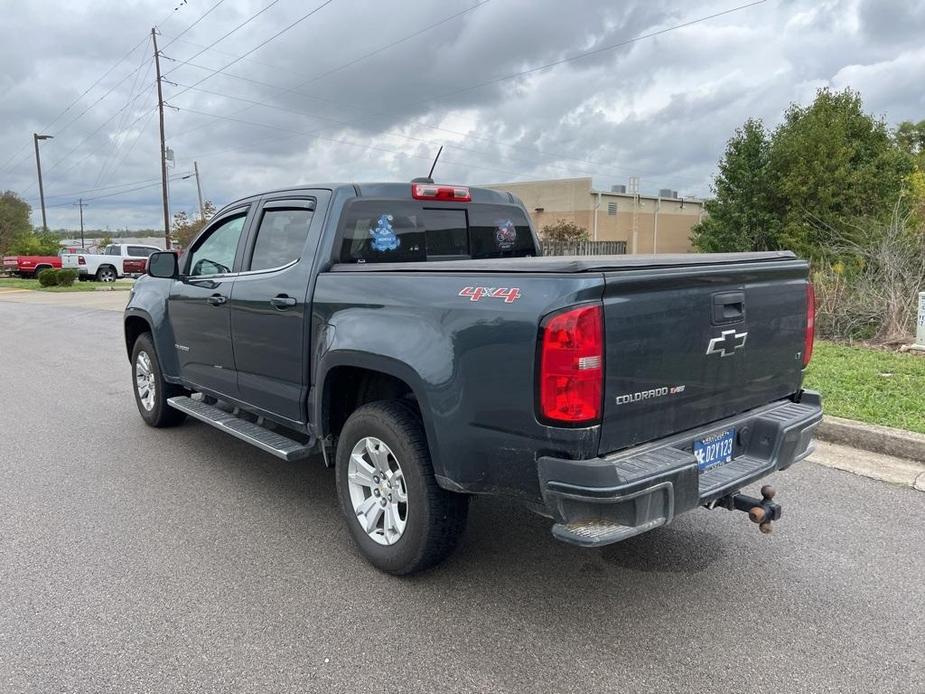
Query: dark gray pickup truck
point(411, 335)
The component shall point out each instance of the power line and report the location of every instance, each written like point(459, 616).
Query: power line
point(201, 17)
point(349, 143)
point(587, 54)
point(469, 136)
point(227, 34)
point(85, 92)
point(264, 43)
point(175, 177)
point(119, 128)
point(498, 79)
point(399, 135)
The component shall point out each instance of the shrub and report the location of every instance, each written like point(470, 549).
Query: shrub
point(48, 278)
point(66, 277)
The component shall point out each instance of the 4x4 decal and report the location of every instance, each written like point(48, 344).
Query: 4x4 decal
point(509, 294)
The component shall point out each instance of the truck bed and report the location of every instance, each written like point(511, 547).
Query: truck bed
point(570, 264)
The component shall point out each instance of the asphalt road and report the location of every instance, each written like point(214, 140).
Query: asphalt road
point(137, 560)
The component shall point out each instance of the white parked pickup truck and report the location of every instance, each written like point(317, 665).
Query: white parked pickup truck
point(117, 260)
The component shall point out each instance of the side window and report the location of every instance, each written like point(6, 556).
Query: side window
point(280, 238)
point(214, 254)
point(499, 231)
point(140, 251)
point(386, 231)
point(113, 250)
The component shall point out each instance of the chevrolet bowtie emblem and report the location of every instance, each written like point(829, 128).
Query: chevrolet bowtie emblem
point(727, 343)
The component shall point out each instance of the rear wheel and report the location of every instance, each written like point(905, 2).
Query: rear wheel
point(106, 273)
point(40, 270)
point(151, 390)
point(401, 520)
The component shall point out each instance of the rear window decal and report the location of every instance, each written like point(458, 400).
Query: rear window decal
point(505, 234)
point(383, 236)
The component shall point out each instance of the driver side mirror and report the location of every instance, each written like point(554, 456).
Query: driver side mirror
point(163, 264)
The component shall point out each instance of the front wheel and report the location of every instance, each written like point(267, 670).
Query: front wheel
point(151, 390)
point(401, 520)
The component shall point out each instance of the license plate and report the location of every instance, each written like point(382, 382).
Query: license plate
point(714, 450)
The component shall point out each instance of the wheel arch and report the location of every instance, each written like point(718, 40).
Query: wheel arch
point(133, 326)
point(348, 381)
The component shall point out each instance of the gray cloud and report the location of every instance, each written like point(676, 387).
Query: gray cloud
point(660, 108)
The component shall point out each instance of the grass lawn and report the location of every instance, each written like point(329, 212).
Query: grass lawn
point(16, 283)
point(870, 385)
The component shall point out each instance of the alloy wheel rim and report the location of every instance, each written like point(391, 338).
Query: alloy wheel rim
point(108, 276)
point(378, 492)
point(144, 381)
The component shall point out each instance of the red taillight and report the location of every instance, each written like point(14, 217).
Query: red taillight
point(810, 324)
point(430, 191)
point(81, 260)
point(571, 377)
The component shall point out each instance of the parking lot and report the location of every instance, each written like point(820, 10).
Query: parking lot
point(134, 559)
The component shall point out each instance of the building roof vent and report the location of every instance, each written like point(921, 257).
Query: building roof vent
point(617, 189)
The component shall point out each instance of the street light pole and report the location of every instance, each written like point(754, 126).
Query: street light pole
point(38, 165)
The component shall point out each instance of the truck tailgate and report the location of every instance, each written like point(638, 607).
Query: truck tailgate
point(686, 346)
point(69, 261)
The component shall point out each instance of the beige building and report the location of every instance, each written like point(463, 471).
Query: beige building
point(648, 224)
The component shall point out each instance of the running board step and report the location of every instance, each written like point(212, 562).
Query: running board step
point(254, 434)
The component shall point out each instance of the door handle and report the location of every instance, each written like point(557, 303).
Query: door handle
point(217, 299)
point(282, 301)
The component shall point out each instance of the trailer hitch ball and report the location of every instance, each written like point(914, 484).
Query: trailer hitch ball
point(760, 511)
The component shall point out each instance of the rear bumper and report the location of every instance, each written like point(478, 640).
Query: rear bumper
point(608, 499)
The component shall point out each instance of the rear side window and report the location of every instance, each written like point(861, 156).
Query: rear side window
point(140, 251)
point(280, 238)
point(113, 250)
point(388, 231)
point(499, 231)
point(383, 232)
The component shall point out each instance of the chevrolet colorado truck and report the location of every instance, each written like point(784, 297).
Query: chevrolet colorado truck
point(412, 336)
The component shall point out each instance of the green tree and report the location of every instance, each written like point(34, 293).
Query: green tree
point(911, 138)
point(831, 165)
point(14, 219)
point(741, 215)
point(563, 231)
point(35, 243)
point(185, 228)
point(103, 241)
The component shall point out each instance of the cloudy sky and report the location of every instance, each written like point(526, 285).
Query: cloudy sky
point(368, 89)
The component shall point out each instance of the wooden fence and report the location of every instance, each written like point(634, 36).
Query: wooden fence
point(584, 247)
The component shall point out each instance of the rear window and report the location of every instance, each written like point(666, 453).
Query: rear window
point(389, 231)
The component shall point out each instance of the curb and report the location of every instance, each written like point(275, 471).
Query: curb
point(873, 438)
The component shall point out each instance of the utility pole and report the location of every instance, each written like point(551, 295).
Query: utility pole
point(160, 109)
point(81, 204)
point(38, 165)
point(202, 210)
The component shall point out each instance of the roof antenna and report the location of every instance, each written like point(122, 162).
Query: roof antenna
point(430, 176)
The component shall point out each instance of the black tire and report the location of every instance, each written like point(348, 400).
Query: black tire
point(39, 270)
point(107, 273)
point(436, 518)
point(160, 414)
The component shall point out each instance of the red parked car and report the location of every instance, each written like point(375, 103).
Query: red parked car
point(31, 265)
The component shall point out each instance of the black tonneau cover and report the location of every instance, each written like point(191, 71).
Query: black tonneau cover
point(585, 263)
